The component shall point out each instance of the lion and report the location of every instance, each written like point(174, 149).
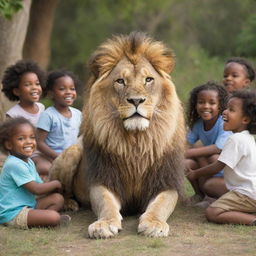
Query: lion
point(130, 155)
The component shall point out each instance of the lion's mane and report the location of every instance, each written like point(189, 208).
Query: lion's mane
point(135, 165)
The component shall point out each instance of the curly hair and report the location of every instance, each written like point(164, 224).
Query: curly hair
point(54, 75)
point(13, 74)
point(9, 128)
point(248, 66)
point(248, 98)
point(192, 115)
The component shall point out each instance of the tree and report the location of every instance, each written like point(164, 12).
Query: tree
point(21, 19)
point(12, 36)
point(37, 43)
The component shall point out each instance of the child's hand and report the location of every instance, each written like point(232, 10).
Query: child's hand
point(57, 184)
point(191, 174)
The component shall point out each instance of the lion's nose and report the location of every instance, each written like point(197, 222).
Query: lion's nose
point(136, 101)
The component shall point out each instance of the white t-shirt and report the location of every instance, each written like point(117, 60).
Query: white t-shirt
point(18, 111)
point(239, 155)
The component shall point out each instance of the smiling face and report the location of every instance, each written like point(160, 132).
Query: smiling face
point(233, 116)
point(207, 105)
point(235, 77)
point(29, 90)
point(63, 92)
point(22, 143)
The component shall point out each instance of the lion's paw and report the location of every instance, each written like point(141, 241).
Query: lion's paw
point(71, 205)
point(104, 229)
point(153, 228)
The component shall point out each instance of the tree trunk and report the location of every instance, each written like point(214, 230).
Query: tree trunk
point(12, 36)
point(37, 43)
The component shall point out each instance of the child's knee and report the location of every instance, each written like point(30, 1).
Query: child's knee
point(58, 198)
point(208, 186)
point(211, 214)
point(213, 158)
point(54, 218)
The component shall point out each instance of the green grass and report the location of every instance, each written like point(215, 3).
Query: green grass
point(190, 234)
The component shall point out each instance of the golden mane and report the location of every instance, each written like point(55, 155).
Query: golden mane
point(136, 151)
point(134, 46)
point(132, 152)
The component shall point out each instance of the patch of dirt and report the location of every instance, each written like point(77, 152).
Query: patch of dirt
point(190, 235)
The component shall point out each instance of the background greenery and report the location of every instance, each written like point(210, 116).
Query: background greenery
point(202, 33)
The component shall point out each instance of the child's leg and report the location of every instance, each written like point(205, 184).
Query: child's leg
point(195, 164)
point(218, 215)
point(215, 187)
point(212, 186)
point(233, 207)
point(43, 218)
point(192, 164)
point(46, 212)
point(51, 202)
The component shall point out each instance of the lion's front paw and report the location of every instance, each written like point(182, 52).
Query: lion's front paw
point(104, 229)
point(70, 205)
point(153, 227)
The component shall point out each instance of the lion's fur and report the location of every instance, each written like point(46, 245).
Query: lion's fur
point(135, 165)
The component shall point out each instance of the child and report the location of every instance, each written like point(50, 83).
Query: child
point(206, 104)
point(238, 74)
point(23, 81)
point(239, 163)
point(20, 182)
point(58, 126)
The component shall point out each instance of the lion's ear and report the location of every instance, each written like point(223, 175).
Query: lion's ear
point(160, 57)
point(168, 62)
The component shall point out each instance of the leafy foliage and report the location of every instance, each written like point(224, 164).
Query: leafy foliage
point(246, 39)
point(9, 7)
point(202, 33)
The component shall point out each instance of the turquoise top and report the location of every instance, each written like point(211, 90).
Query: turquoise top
point(13, 196)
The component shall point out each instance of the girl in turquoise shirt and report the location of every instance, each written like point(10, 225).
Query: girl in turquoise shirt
point(20, 182)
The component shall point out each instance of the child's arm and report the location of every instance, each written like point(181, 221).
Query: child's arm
point(41, 135)
point(42, 188)
point(206, 171)
point(202, 151)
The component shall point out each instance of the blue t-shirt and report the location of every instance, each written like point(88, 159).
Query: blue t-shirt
point(13, 196)
point(62, 131)
point(216, 135)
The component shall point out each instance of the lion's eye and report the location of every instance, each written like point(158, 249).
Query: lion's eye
point(149, 79)
point(120, 81)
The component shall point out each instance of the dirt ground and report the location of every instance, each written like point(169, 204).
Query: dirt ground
point(190, 235)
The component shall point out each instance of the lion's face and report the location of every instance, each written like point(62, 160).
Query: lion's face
point(133, 93)
point(131, 102)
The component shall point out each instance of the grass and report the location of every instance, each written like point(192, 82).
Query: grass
point(190, 234)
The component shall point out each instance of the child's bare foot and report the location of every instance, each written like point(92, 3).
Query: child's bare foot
point(196, 198)
point(205, 203)
point(65, 220)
